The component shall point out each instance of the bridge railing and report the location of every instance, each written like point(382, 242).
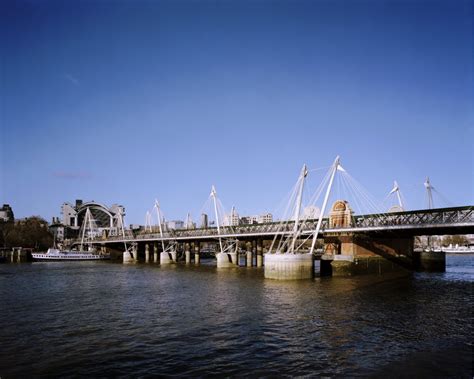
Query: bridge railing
point(423, 217)
point(442, 216)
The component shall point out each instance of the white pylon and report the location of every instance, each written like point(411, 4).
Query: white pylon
point(121, 219)
point(429, 192)
point(303, 175)
point(214, 198)
point(396, 189)
point(158, 213)
point(335, 167)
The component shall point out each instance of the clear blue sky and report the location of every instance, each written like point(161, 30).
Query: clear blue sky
point(128, 101)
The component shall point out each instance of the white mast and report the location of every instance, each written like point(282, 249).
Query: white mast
point(214, 198)
point(158, 213)
point(303, 174)
point(122, 226)
point(336, 166)
point(429, 189)
point(84, 224)
point(396, 189)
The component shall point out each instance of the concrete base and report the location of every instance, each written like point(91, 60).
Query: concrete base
point(197, 259)
point(342, 265)
point(187, 255)
point(127, 257)
point(249, 259)
point(167, 258)
point(259, 260)
point(432, 261)
point(289, 266)
point(226, 260)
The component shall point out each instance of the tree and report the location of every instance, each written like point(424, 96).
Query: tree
point(455, 240)
point(31, 232)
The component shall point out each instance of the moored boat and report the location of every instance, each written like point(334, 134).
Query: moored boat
point(54, 254)
point(458, 249)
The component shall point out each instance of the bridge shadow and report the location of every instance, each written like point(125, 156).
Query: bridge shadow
point(405, 260)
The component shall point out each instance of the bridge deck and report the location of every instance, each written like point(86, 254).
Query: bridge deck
point(459, 220)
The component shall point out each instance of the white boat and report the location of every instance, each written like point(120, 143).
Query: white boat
point(458, 249)
point(54, 254)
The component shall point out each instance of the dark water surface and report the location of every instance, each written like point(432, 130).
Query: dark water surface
point(106, 319)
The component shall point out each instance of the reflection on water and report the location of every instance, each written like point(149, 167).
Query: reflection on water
point(105, 319)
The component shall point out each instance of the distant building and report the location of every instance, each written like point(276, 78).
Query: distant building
point(175, 224)
point(106, 220)
point(204, 221)
point(249, 220)
point(233, 218)
point(6, 213)
point(259, 219)
point(265, 218)
point(311, 212)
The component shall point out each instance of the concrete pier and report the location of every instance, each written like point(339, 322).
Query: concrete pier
point(147, 253)
point(431, 261)
point(128, 257)
point(249, 259)
point(187, 253)
point(259, 253)
point(155, 253)
point(226, 260)
point(197, 255)
point(289, 266)
point(167, 258)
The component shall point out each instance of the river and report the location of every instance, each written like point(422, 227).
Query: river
point(101, 319)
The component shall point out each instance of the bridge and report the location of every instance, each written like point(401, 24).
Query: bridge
point(347, 240)
point(457, 220)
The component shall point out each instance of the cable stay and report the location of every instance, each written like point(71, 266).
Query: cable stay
point(170, 246)
point(226, 245)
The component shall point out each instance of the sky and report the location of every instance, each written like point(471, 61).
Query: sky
point(128, 101)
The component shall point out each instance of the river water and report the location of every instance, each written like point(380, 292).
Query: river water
point(101, 319)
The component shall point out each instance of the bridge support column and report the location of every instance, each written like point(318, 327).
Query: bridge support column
point(130, 257)
point(197, 255)
point(249, 256)
point(259, 253)
point(135, 253)
point(167, 257)
point(249, 259)
point(155, 253)
point(289, 266)
point(187, 253)
point(147, 253)
point(226, 260)
point(432, 261)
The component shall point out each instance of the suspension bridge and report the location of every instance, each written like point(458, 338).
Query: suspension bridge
point(347, 241)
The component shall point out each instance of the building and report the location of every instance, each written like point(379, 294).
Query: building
point(204, 221)
point(105, 219)
point(249, 220)
point(174, 225)
point(259, 219)
point(265, 218)
point(311, 212)
point(6, 213)
point(232, 219)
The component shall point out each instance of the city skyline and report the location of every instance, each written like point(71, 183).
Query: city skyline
point(123, 102)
